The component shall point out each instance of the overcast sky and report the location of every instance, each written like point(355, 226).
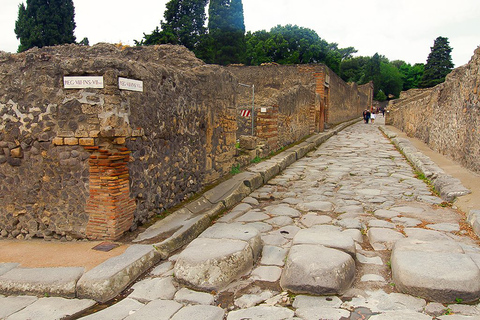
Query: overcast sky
point(398, 29)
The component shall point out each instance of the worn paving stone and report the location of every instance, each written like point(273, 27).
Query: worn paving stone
point(52, 308)
point(221, 262)
point(322, 313)
point(187, 296)
point(5, 267)
point(273, 256)
point(261, 312)
point(12, 304)
point(441, 273)
point(401, 315)
point(251, 300)
point(303, 301)
point(267, 273)
point(318, 270)
point(51, 281)
point(282, 210)
point(199, 312)
point(383, 238)
point(334, 239)
point(323, 206)
point(153, 289)
point(156, 310)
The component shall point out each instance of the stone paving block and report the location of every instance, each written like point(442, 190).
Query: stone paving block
point(282, 210)
point(400, 315)
point(153, 289)
point(252, 216)
point(280, 221)
point(108, 279)
point(52, 308)
point(261, 312)
point(187, 296)
point(236, 231)
point(322, 313)
point(303, 301)
point(250, 300)
point(323, 206)
point(457, 317)
point(407, 222)
point(12, 304)
point(334, 240)
point(386, 214)
point(266, 273)
point(273, 256)
point(424, 234)
point(199, 313)
point(435, 272)
point(447, 227)
point(317, 270)
point(5, 267)
point(350, 223)
point(156, 310)
point(369, 260)
point(311, 219)
point(383, 238)
point(221, 262)
point(236, 212)
point(120, 310)
point(40, 281)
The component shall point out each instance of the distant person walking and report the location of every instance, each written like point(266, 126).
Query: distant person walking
point(372, 117)
point(366, 116)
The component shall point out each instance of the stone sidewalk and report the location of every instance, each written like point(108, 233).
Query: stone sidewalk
point(344, 231)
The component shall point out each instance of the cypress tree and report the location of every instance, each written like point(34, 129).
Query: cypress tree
point(439, 63)
point(226, 28)
point(45, 23)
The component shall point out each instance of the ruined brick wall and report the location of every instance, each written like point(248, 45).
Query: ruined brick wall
point(290, 92)
point(447, 116)
point(68, 153)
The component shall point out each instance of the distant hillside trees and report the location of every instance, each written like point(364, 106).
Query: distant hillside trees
point(45, 23)
point(439, 63)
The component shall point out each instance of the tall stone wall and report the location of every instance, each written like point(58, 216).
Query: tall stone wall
point(71, 158)
point(447, 116)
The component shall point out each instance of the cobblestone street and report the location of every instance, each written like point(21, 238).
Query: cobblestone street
point(347, 232)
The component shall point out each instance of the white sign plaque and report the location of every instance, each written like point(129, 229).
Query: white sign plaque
point(83, 82)
point(263, 110)
point(130, 84)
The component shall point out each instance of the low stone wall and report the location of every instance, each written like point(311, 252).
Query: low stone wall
point(446, 117)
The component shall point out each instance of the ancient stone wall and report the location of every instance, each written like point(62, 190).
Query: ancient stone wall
point(96, 160)
point(71, 158)
point(447, 116)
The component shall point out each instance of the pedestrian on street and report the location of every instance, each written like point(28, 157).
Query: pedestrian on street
point(367, 116)
point(373, 117)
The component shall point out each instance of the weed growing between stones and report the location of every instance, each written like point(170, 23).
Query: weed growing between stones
point(235, 169)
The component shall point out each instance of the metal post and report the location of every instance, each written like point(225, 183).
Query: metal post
point(253, 109)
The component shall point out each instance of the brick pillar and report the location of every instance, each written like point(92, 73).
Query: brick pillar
point(109, 206)
point(267, 126)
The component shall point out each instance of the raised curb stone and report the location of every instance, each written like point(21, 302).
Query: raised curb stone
point(51, 281)
point(108, 279)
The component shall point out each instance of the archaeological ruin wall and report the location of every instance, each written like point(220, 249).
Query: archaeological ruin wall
point(77, 162)
point(445, 117)
point(96, 140)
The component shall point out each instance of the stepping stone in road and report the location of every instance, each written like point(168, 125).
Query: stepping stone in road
point(221, 254)
point(435, 270)
point(317, 270)
point(333, 239)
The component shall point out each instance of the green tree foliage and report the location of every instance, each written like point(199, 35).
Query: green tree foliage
point(411, 75)
point(226, 33)
point(45, 23)
point(292, 44)
point(390, 80)
point(184, 25)
point(439, 63)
